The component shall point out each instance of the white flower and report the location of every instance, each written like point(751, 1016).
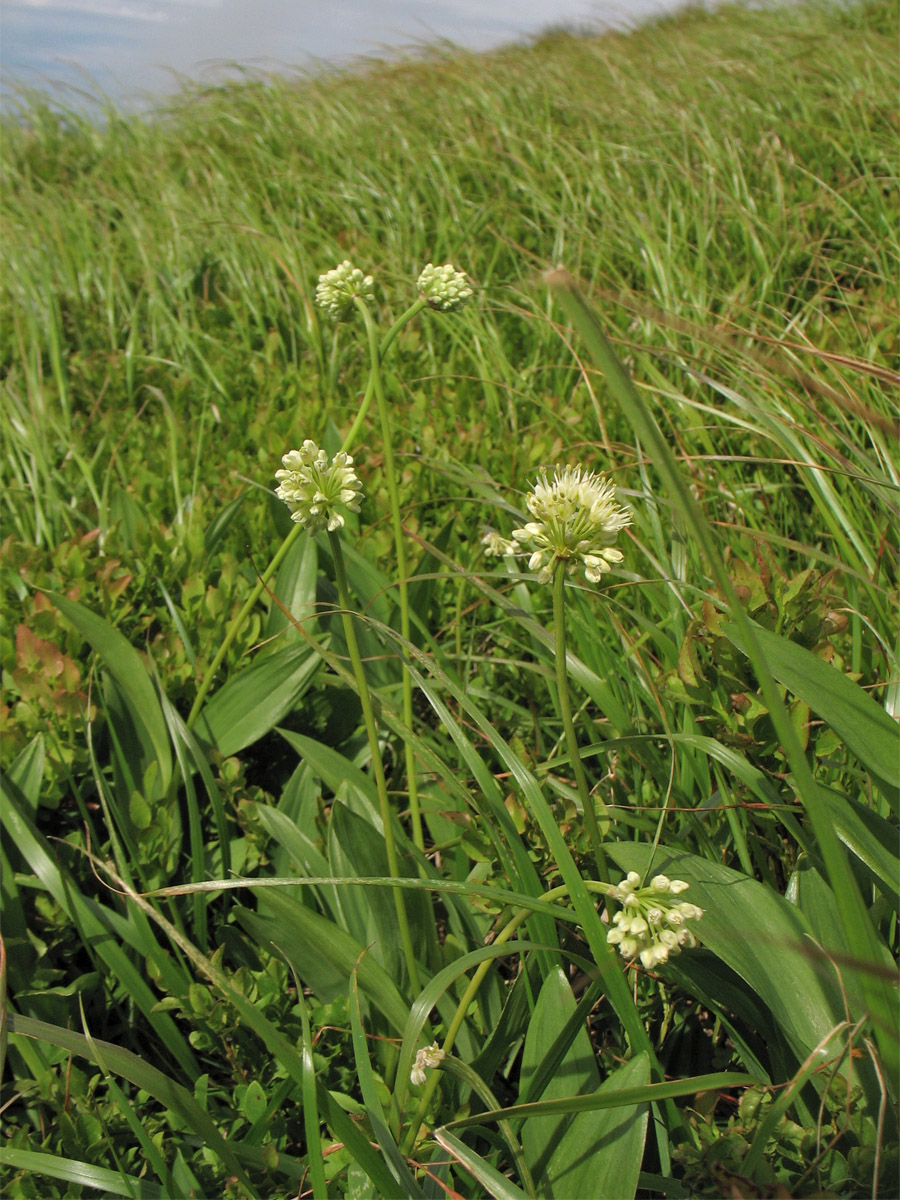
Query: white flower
point(311, 487)
point(576, 521)
point(337, 289)
point(495, 544)
point(651, 925)
point(430, 1056)
point(444, 288)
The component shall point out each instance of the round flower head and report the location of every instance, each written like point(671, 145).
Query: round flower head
point(576, 520)
point(444, 288)
point(336, 290)
point(312, 487)
point(651, 923)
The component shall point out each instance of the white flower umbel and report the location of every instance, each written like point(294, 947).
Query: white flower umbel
point(431, 1056)
point(444, 288)
point(312, 487)
point(576, 521)
point(651, 923)
point(337, 289)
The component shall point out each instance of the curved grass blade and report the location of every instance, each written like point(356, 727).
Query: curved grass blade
point(389, 1148)
point(496, 1185)
point(82, 1174)
point(143, 1075)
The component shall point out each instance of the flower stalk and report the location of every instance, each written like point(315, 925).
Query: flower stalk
point(402, 570)
point(340, 573)
point(565, 707)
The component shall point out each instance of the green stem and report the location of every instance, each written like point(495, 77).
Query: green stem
point(404, 319)
point(232, 630)
point(565, 708)
point(375, 353)
point(469, 995)
point(365, 699)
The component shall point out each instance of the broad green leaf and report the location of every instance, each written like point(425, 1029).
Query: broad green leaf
point(322, 954)
point(575, 1072)
point(356, 850)
point(294, 589)
point(851, 712)
point(600, 1153)
point(759, 934)
point(872, 839)
point(255, 699)
point(125, 665)
point(27, 771)
point(51, 1166)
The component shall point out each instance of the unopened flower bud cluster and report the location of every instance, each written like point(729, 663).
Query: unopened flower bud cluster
point(431, 1056)
point(337, 289)
point(312, 487)
point(444, 288)
point(651, 923)
point(576, 521)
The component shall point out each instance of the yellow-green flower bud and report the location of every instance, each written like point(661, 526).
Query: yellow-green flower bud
point(337, 289)
point(444, 288)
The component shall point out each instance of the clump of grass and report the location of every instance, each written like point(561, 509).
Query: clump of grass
point(307, 838)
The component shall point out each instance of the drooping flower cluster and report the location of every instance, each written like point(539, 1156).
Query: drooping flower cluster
point(337, 289)
point(312, 487)
point(431, 1056)
point(444, 288)
point(651, 923)
point(577, 520)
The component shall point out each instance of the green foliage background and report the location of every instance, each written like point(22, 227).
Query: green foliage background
point(723, 187)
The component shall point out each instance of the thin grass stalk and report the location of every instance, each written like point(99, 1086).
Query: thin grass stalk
point(402, 571)
point(565, 708)
point(365, 699)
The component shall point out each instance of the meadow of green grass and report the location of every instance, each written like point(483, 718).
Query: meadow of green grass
point(227, 931)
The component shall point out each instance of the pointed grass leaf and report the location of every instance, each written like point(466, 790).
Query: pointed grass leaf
point(860, 722)
point(368, 1085)
point(253, 701)
point(495, 1185)
point(134, 683)
point(27, 770)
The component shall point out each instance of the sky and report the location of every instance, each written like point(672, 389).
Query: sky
point(135, 49)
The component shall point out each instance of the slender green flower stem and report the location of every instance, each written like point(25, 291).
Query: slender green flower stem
point(365, 699)
point(469, 995)
point(400, 550)
point(404, 319)
point(565, 708)
point(232, 630)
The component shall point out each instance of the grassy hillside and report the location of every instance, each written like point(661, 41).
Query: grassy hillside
point(185, 699)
